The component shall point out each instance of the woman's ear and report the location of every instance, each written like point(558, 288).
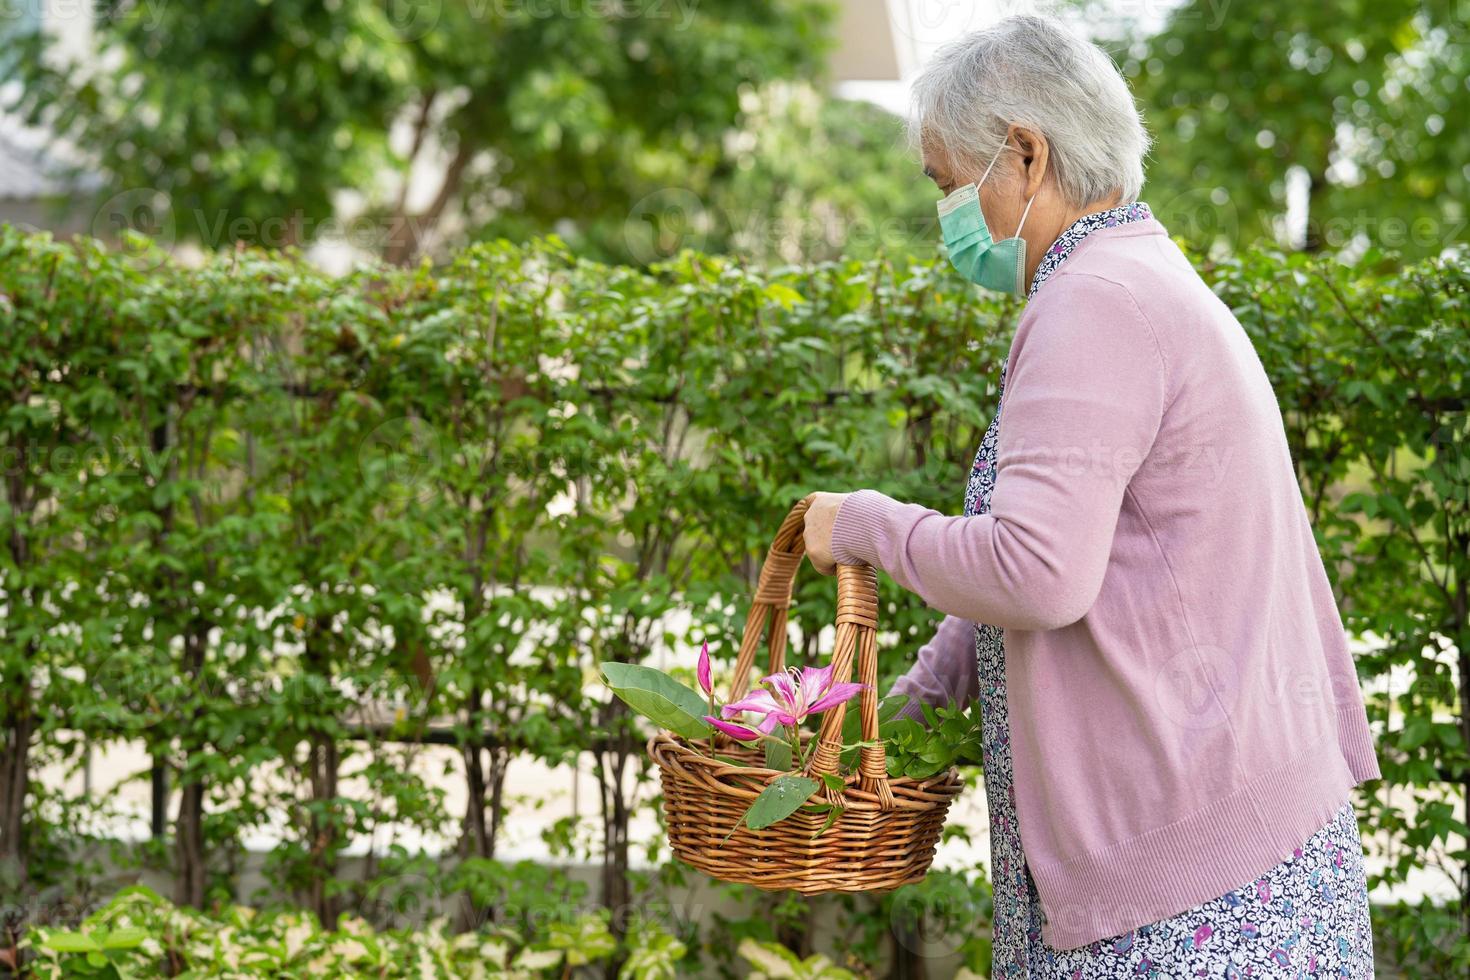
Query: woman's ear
point(1034, 157)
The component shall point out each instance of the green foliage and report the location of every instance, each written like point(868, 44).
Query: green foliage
point(659, 698)
point(654, 955)
point(947, 912)
point(315, 514)
point(888, 708)
point(220, 122)
point(1359, 95)
point(94, 953)
point(812, 179)
point(245, 500)
point(947, 736)
point(139, 934)
point(638, 129)
point(772, 961)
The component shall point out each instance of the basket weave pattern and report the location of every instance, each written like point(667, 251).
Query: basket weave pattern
point(889, 828)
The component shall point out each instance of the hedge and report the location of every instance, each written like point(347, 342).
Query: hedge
point(246, 500)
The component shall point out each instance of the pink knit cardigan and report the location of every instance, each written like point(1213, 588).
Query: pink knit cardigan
point(1184, 709)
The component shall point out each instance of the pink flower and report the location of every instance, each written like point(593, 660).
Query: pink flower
point(703, 670)
point(738, 732)
point(761, 703)
point(794, 695)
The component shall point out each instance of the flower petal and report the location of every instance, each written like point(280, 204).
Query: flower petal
point(817, 679)
point(760, 701)
point(769, 722)
point(814, 684)
point(738, 732)
point(784, 686)
point(704, 671)
point(839, 694)
point(784, 717)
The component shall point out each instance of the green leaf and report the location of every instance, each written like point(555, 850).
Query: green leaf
point(71, 942)
point(659, 698)
point(772, 959)
point(1416, 733)
point(833, 816)
point(778, 756)
point(887, 708)
point(583, 940)
point(779, 800)
point(127, 938)
point(920, 769)
point(784, 295)
point(537, 959)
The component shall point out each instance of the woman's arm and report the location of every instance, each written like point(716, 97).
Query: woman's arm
point(1085, 396)
point(944, 672)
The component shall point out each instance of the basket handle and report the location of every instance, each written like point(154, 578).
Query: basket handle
point(857, 625)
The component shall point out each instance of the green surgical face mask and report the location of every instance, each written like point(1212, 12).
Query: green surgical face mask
point(997, 265)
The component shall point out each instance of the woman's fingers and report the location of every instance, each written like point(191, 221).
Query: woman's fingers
point(817, 534)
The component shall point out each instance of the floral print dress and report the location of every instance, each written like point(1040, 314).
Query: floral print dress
point(1306, 917)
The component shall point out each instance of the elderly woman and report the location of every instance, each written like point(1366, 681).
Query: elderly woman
point(1172, 725)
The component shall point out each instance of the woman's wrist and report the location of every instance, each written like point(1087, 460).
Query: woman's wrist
point(858, 528)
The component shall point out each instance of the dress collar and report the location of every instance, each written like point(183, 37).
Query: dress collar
point(1078, 230)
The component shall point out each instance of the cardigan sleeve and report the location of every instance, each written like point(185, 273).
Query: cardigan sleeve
point(1084, 399)
point(944, 670)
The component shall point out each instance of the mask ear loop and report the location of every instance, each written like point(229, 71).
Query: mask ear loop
point(1021, 263)
point(1023, 217)
point(992, 164)
point(1003, 147)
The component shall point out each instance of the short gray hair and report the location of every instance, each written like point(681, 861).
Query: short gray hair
point(1031, 71)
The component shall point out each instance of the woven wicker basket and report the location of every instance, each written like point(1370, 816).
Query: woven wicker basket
point(889, 828)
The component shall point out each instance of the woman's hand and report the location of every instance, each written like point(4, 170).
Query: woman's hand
point(820, 517)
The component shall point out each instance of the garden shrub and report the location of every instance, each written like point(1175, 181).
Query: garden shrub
point(280, 527)
point(140, 934)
